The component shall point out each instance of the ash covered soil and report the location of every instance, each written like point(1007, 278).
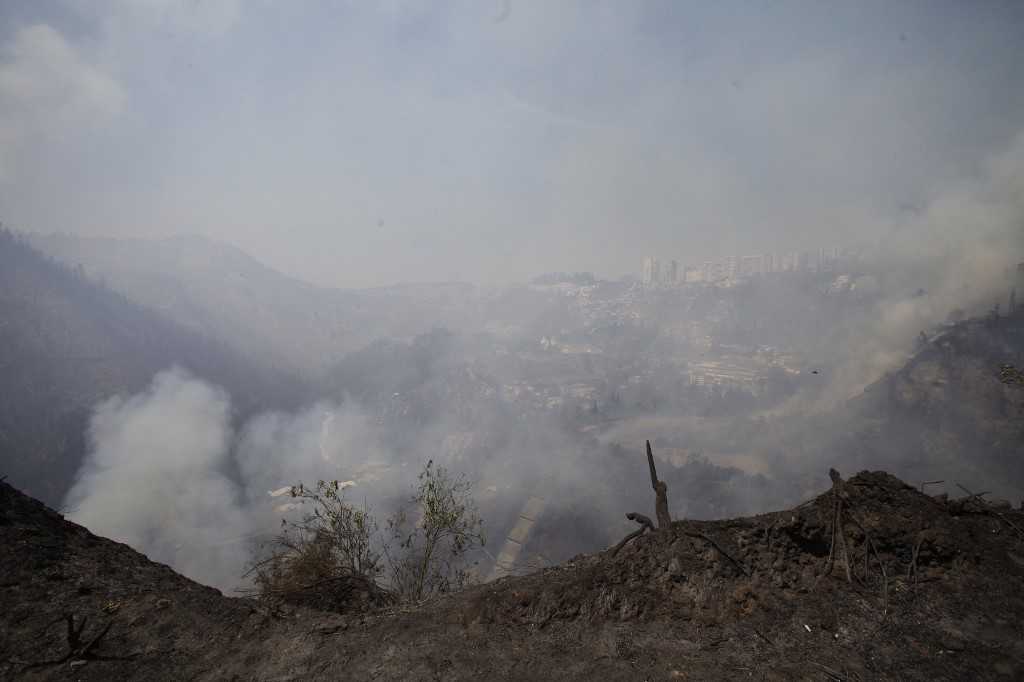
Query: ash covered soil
point(734, 599)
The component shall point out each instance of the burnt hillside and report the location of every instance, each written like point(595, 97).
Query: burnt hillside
point(731, 599)
point(949, 413)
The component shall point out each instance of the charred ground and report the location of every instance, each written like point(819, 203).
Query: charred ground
point(670, 605)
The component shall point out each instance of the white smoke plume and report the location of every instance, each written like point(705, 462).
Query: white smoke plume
point(957, 253)
point(155, 477)
point(158, 475)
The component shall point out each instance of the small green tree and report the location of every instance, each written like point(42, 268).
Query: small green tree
point(431, 552)
point(334, 556)
point(327, 557)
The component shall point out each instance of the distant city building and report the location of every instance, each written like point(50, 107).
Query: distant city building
point(732, 267)
point(715, 271)
point(752, 265)
point(652, 271)
point(672, 276)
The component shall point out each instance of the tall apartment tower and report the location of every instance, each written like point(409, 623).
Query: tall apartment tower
point(732, 267)
point(672, 276)
point(652, 270)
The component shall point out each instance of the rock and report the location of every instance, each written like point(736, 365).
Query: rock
point(807, 576)
point(950, 643)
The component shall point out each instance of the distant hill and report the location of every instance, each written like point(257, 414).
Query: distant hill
point(67, 342)
point(222, 292)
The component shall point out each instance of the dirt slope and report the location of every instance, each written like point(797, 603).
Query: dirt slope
point(668, 606)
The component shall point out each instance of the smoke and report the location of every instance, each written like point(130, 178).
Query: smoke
point(326, 441)
point(955, 254)
point(167, 474)
point(155, 477)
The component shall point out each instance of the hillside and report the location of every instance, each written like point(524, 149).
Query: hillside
point(947, 413)
point(67, 342)
point(702, 600)
point(218, 290)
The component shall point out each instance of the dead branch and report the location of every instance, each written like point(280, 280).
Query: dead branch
point(878, 557)
point(707, 538)
point(987, 507)
point(764, 637)
point(79, 651)
point(622, 543)
point(837, 527)
point(86, 650)
point(645, 525)
point(912, 569)
point(925, 483)
point(832, 674)
point(644, 521)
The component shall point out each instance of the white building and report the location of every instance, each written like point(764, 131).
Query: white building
point(672, 276)
point(652, 271)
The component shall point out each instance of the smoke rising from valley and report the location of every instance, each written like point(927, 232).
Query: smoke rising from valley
point(167, 473)
point(156, 477)
point(294, 243)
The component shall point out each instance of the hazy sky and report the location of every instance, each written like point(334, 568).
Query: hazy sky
point(361, 143)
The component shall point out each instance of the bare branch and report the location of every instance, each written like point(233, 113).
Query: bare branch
point(985, 505)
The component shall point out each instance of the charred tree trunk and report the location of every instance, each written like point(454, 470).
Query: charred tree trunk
point(660, 493)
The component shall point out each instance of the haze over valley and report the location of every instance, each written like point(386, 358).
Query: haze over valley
point(248, 245)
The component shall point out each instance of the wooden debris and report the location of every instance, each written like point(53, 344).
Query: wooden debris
point(987, 507)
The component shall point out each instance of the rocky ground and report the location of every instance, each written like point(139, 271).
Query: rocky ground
point(735, 599)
